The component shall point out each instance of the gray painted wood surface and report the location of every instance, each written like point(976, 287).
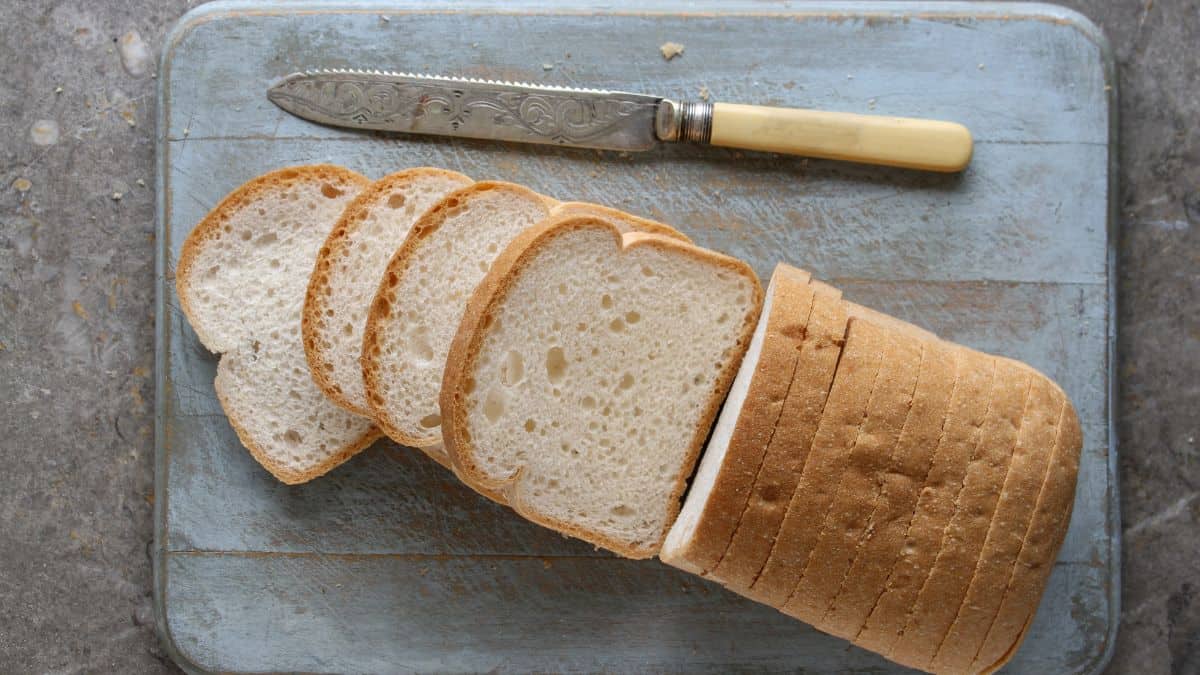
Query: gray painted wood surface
point(388, 564)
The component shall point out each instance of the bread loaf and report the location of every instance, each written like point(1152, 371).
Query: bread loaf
point(926, 493)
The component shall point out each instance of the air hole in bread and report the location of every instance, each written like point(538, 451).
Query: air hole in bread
point(418, 345)
point(432, 421)
point(530, 425)
point(562, 289)
point(493, 247)
point(622, 510)
point(267, 239)
point(348, 329)
point(292, 437)
point(556, 365)
point(396, 201)
point(646, 271)
point(213, 271)
point(617, 326)
point(581, 327)
point(274, 263)
point(626, 381)
point(588, 403)
point(606, 302)
point(512, 370)
point(245, 235)
point(632, 317)
point(493, 405)
point(723, 318)
point(330, 191)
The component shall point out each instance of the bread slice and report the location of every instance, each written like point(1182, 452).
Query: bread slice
point(972, 391)
point(718, 494)
point(844, 528)
point(587, 371)
point(844, 412)
point(900, 486)
point(348, 270)
point(787, 450)
point(1039, 548)
point(241, 280)
point(1005, 532)
point(421, 298)
point(419, 302)
point(940, 597)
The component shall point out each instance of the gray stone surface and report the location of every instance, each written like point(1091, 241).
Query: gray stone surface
point(76, 343)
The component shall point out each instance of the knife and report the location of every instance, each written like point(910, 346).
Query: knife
point(612, 120)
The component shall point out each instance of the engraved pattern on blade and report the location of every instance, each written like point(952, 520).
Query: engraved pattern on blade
point(471, 108)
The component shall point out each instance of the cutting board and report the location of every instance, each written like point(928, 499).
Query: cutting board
point(388, 564)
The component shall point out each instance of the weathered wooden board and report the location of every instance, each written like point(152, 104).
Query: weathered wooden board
point(388, 564)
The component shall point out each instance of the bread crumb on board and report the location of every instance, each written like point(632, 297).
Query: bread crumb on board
point(670, 50)
point(705, 94)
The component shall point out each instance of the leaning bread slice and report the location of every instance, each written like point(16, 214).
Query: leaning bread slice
point(845, 409)
point(789, 446)
point(845, 526)
point(587, 371)
point(347, 273)
point(1014, 511)
point(733, 456)
point(421, 296)
point(963, 539)
point(241, 280)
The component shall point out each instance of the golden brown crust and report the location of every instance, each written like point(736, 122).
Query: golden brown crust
point(791, 303)
point(313, 318)
point(788, 448)
point(888, 321)
point(935, 505)
point(216, 218)
point(202, 234)
point(871, 453)
point(1039, 550)
point(618, 218)
point(383, 306)
point(468, 340)
point(940, 597)
point(845, 409)
point(900, 486)
point(1008, 527)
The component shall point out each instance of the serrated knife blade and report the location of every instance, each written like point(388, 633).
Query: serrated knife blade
point(488, 109)
point(611, 120)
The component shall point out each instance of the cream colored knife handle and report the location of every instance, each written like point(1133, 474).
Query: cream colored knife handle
point(873, 139)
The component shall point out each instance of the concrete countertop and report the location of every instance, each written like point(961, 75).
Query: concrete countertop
point(76, 332)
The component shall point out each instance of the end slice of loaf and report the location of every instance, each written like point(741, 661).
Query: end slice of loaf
point(587, 371)
point(241, 280)
point(423, 293)
point(720, 490)
point(347, 273)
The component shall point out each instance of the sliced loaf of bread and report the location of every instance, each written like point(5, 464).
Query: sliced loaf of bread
point(348, 270)
point(420, 300)
point(586, 373)
point(241, 280)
